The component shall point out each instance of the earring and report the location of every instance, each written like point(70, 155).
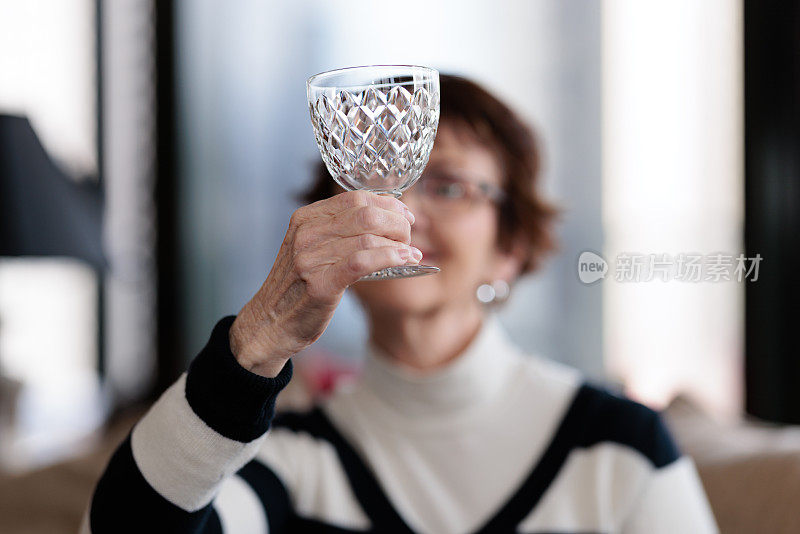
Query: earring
point(494, 293)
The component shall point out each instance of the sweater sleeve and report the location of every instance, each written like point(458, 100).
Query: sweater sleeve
point(672, 500)
point(185, 452)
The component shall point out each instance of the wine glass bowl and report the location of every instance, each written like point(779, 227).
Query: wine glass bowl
point(375, 128)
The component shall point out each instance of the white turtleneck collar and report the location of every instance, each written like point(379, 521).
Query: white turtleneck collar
point(472, 378)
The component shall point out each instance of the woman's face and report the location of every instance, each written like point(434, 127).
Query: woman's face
point(462, 243)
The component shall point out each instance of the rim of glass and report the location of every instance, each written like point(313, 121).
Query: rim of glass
point(429, 73)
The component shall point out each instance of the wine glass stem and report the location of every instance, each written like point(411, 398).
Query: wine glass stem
point(395, 194)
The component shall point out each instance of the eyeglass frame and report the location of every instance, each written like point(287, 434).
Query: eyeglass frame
point(488, 191)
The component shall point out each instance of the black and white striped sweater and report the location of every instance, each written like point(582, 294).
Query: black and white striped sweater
point(496, 442)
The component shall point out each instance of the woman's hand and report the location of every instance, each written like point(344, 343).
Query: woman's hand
point(329, 245)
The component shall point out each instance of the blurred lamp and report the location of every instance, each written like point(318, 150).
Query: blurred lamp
point(42, 211)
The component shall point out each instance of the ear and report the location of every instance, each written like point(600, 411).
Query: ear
point(507, 264)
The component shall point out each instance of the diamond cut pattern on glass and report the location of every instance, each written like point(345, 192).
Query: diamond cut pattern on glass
point(376, 139)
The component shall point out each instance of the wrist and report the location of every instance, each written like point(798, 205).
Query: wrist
point(252, 352)
point(233, 401)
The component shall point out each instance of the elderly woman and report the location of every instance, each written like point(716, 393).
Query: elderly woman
point(450, 428)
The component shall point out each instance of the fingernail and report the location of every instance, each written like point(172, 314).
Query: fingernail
point(416, 253)
point(404, 254)
point(410, 216)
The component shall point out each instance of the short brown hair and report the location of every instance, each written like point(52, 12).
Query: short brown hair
point(524, 214)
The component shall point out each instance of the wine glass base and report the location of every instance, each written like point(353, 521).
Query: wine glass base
point(401, 271)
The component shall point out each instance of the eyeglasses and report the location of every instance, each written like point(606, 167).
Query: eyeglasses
point(442, 192)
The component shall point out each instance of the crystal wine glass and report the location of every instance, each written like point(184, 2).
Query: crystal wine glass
point(375, 127)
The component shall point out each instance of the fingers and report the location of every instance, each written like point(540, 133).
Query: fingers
point(352, 222)
point(335, 250)
point(360, 199)
point(348, 270)
point(348, 214)
point(336, 241)
point(371, 220)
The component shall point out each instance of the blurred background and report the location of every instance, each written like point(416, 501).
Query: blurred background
point(150, 153)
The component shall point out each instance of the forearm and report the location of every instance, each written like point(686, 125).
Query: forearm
point(204, 428)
